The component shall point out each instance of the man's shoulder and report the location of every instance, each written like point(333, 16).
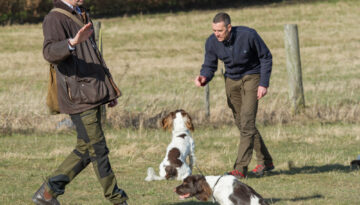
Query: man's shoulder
point(51, 16)
point(243, 29)
point(56, 15)
point(211, 39)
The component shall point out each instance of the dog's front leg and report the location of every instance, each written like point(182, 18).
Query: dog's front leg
point(192, 155)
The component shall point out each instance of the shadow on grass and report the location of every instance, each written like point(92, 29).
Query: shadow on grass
point(313, 170)
point(191, 203)
point(318, 169)
point(270, 201)
point(303, 198)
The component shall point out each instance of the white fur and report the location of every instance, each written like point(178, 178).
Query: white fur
point(186, 147)
point(224, 188)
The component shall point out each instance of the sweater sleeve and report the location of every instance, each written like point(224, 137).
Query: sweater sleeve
point(265, 59)
point(210, 62)
point(55, 47)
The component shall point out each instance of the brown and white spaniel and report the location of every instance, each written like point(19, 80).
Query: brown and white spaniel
point(225, 189)
point(182, 145)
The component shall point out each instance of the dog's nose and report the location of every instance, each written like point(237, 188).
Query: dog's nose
point(174, 189)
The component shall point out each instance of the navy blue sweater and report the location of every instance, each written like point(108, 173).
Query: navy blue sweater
point(244, 53)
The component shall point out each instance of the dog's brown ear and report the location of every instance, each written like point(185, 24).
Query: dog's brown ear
point(188, 122)
point(167, 122)
point(204, 189)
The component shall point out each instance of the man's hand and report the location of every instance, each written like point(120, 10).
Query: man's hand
point(113, 103)
point(261, 92)
point(82, 35)
point(200, 81)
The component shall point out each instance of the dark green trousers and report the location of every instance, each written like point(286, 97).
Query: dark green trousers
point(242, 99)
point(90, 147)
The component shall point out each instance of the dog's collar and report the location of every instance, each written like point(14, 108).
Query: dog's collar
point(213, 189)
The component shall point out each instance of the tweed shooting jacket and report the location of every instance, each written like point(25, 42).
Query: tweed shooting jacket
point(83, 79)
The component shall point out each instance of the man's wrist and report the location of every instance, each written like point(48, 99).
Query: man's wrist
point(71, 44)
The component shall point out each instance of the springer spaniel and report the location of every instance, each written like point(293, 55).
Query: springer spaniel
point(174, 165)
point(225, 189)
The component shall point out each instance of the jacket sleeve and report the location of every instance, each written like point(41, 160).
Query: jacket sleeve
point(55, 47)
point(265, 59)
point(210, 62)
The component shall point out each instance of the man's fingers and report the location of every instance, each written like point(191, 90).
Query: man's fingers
point(87, 27)
point(261, 92)
point(197, 81)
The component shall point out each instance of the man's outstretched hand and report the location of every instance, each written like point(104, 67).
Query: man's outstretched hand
point(200, 81)
point(82, 35)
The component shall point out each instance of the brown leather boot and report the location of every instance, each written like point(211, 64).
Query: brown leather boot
point(42, 197)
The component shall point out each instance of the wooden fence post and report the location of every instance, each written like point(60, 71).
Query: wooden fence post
point(207, 91)
point(98, 35)
point(293, 66)
point(98, 39)
point(207, 101)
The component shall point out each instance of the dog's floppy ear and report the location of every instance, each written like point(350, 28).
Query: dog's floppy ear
point(203, 188)
point(167, 121)
point(188, 122)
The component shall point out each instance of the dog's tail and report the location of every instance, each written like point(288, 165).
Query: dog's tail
point(152, 176)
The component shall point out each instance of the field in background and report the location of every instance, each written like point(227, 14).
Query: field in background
point(154, 59)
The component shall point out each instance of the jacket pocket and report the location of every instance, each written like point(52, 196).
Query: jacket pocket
point(86, 90)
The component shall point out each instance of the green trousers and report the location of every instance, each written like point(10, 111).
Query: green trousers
point(242, 99)
point(90, 147)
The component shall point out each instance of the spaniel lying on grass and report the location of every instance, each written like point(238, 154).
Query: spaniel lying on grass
point(226, 190)
point(182, 145)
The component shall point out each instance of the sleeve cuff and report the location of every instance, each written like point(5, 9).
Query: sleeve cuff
point(70, 47)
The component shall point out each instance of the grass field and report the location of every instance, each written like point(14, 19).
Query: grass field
point(319, 157)
point(154, 59)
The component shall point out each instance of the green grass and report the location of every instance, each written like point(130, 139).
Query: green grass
point(319, 154)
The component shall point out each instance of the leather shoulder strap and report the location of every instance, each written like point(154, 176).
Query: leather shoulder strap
point(68, 14)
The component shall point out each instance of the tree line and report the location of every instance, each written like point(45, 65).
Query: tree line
point(32, 11)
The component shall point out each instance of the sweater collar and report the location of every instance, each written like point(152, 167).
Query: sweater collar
point(231, 40)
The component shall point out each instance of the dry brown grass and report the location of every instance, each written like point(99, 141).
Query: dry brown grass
point(154, 59)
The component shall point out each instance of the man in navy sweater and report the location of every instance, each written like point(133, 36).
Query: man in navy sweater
point(248, 64)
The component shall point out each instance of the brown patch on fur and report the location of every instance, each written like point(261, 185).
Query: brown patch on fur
point(243, 192)
point(188, 122)
point(206, 193)
point(182, 136)
point(167, 121)
point(173, 157)
point(171, 172)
